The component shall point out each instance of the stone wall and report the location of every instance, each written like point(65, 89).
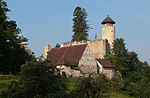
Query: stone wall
point(109, 72)
point(98, 48)
point(69, 72)
point(46, 49)
point(87, 63)
point(65, 44)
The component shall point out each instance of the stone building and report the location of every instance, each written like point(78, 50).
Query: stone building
point(77, 56)
point(87, 55)
point(106, 67)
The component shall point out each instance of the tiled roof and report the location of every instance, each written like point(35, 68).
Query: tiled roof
point(108, 20)
point(105, 63)
point(65, 55)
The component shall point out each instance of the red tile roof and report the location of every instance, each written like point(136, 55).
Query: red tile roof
point(105, 63)
point(63, 55)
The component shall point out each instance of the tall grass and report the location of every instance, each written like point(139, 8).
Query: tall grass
point(5, 80)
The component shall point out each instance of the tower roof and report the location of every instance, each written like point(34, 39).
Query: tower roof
point(108, 20)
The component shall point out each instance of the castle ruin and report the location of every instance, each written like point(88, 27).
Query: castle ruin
point(100, 47)
point(87, 56)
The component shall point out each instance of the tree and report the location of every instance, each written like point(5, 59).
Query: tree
point(57, 45)
point(80, 26)
point(12, 55)
point(37, 80)
point(119, 48)
point(91, 87)
point(135, 73)
point(119, 58)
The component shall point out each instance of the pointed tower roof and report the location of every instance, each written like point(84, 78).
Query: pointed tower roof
point(108, 20)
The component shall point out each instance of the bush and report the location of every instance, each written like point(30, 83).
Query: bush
point(37, 80)
point(5, 81)
point(87, 87)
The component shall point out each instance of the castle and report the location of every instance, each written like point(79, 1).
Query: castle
point(88, 55)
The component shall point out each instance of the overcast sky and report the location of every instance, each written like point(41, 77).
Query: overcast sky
point(50, 21)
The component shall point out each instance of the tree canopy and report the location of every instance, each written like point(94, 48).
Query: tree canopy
point(134, 72)
point(80, 26)
point(37, 80)
point(12, 54)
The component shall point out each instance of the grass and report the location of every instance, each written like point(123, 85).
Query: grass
point(5, 80)
point(119, 95)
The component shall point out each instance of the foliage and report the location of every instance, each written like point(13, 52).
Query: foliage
point(119, 47)
point(120, 95)
point(37, 79)
point(8, 77)
point(72, 64)
point(12, 55)
point(87, 87)
point(123, 60)
point(135, 73)
point(57, 45)
point(5, 81)
point(80, 26)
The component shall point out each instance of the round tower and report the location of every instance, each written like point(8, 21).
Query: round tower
point(108, 30)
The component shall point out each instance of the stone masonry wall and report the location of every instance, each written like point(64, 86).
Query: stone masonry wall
point(87, 63)
point(69, 72)
point(109, 72)
point(98, 48)
point(46, 49)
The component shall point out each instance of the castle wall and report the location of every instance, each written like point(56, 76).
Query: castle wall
point(67, 44)
point(87, 63)
point(108, 32)
point(46, 49)
point(99, 48)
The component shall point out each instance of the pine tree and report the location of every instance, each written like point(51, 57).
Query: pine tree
point(80, 27)
point(119, 47)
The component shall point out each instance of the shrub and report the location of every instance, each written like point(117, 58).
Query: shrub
point(37, 80)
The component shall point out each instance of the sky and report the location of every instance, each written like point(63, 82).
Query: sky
point(50, 21)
